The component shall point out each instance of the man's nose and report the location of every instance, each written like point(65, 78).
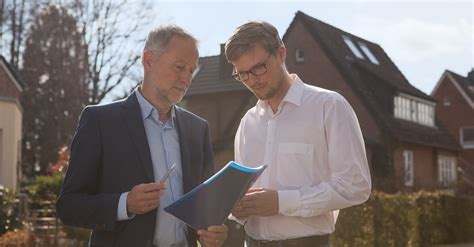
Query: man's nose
point(253, 79)
point(186, 78)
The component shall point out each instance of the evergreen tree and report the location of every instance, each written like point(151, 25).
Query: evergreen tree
point(55, 72)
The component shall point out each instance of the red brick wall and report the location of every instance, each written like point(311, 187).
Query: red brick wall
point(458, 114)
point(318, 70)
point(7, 87)
point(219, 109)
point(425, 160)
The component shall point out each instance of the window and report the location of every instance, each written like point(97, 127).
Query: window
point(425, 114)
point(402, 108)
point(467, 137)
point(368, 53)
point(409, 169)
point(353, 47)
point(299, 56)
point(446, 101)
point(413, 110)
point(446, 170)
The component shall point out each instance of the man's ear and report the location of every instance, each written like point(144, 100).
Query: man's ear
point(147, 59)
point(281, 53)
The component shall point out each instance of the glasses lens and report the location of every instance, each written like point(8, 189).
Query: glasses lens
point(244, 76)
point(259, 70)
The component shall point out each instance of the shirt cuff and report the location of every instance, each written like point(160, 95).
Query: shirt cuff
point(122, 208)
point(240, 221)
point(288, 201)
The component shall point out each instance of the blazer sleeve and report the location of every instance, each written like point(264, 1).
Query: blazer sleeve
point(208, 159)
point(80, 202)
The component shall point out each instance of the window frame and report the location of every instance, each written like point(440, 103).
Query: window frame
point(408, 168)
point(461, 138)
point(299, 55)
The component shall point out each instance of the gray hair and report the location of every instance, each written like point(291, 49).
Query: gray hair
point(159, 37)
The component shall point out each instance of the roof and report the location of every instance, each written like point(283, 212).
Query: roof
point(211, 79)
point(466, 85)
point(12, 74)
point(376, 85)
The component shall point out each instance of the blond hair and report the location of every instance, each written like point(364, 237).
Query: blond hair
point(248, 35)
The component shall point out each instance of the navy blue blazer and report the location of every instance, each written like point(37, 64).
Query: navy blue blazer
point(109, 156)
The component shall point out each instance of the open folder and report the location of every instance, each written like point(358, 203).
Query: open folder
point(211, 202)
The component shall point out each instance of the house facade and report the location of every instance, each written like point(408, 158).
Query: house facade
point(11, 114)
point(455, 109)
point(407, 147)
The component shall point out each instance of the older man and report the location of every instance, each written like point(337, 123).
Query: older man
point(121, 150)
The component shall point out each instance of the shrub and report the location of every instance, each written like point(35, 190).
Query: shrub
point(9, 210)
point(17, 239)
point(420, 219)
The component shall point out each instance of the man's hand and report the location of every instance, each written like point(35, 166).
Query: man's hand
point(144, 197)
point(214, 236)
point(257, 202)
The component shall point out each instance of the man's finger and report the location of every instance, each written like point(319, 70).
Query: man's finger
point(218, 229)
point(152, 187)
point(218, 232)
point(152, 195)
point(254, 189)
point(249, 204)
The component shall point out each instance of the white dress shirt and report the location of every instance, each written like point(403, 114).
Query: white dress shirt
point(316, 156)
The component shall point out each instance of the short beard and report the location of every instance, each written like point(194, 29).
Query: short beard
point(273, 90)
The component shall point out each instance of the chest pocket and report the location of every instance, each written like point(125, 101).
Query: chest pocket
point(295, 164)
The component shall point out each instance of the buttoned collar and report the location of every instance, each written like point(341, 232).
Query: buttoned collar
point(148, 110)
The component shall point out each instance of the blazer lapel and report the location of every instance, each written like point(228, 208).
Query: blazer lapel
point(131, 114)
point(184, 142)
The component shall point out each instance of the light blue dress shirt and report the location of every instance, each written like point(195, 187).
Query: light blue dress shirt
point(163, 141)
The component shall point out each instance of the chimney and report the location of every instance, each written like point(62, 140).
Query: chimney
point(470, 75)
point(225, 68)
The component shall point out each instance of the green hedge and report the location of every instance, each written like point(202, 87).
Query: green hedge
point(420, 219)
point(45, 189)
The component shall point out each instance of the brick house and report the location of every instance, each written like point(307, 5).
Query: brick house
point(217, 97)
point(455, 94)
point(11, 114)
point(407, 148)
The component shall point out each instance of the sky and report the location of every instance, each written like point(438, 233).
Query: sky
point(423, 38)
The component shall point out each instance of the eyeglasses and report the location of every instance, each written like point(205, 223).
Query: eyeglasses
point(257, 70)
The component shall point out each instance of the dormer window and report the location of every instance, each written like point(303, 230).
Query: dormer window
point(353, 47)
point(368, 53)
point(414, 109)
point(299, 55)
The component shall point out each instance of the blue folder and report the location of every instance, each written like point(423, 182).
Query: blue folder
point(211, 202)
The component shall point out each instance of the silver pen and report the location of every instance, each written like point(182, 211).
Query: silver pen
point(168, 173)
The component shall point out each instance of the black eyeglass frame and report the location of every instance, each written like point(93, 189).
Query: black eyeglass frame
point(238, 75)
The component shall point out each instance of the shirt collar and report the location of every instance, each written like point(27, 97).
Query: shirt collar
point(294, 94)
point(148, 110)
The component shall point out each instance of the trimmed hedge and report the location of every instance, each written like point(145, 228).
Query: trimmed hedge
point(420, 219)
